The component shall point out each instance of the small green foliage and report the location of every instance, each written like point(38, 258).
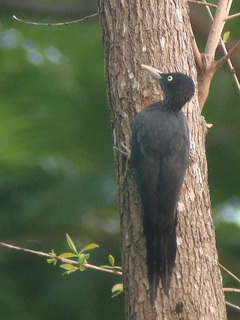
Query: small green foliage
point(117, 289)
point(81, 259)
point(111, 260)
point(226, 36)
point(82, 256)
point(71, 244)
point(90, 246)
point(112, 266)
point(53, 259)
point(69, 268)
point(67, 255)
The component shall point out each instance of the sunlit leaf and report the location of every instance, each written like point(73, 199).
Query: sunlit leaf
point(111, 260)
point(71, 243)
point(117, 289)
point(68, 267)
point(67, 255)
point(83, 258)
point(52, 253)
point(226, 36)
point(54, 261)
point(106, 267)
point(90, 246)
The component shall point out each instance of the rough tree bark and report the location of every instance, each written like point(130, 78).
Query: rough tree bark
point(157, 33)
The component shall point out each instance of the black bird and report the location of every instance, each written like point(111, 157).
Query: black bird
point(159, 156)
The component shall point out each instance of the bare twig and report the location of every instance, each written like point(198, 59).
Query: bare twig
point(47, 255)
point(229, 272)
point(196, 52)
point(232, 306)
point(233, 16)
point(224, 268)
point(231, 290)
point(228, 55)
point(229, 63)
point(54, 24)
point(203, 3)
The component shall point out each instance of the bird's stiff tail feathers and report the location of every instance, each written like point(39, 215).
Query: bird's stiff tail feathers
point(161, 254)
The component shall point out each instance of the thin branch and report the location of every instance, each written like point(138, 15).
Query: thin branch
point(231, 290)
point(196, 52)
point(203, 3)
point(55, 24)
point(233, 16)
point(229, 272)
point(224, 268)
point(47, 255)
point(232, 306)
point(228, 55)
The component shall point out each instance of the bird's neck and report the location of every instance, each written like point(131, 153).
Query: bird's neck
point(173, 105)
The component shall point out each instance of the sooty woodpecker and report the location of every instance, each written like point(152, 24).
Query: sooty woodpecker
point(159, 156)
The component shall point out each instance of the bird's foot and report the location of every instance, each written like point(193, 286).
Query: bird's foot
point(125, 151)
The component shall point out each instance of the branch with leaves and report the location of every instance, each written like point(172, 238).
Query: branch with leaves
point(80, 263)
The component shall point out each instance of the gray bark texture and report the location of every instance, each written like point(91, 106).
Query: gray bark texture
point(157, 33)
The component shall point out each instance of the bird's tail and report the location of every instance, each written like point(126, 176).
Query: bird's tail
point(161, 254)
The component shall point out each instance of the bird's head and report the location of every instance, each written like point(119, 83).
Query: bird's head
point(178, 88)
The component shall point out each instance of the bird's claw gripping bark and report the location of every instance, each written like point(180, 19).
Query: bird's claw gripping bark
point(124, 150)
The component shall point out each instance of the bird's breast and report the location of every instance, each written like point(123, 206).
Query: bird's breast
point(163, 134)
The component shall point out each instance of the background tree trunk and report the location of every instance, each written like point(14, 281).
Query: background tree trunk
point(157, 33)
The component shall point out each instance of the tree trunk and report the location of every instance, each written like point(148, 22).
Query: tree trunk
point(157, 33)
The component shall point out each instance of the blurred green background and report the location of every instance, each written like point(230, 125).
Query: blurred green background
point(56, 163)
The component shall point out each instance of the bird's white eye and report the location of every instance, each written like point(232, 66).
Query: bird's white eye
point(169, 78)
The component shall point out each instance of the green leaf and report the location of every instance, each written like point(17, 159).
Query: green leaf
point(118, 268)
point(226, 36)
point(66, 255)
point(90, 246)
point(83, 258)
point(68, 267)
point(53, 253)
point(71, 244)
point(117, 289)
point(106, 267)
point(82, 268)
point(54, 261)
point(111, 260)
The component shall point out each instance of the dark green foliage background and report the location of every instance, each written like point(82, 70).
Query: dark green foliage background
point(57, 175)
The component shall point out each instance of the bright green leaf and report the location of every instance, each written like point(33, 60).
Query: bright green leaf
point(82, 268)
point(117, 289)
point(83, 257)
point(68, 267)
point(118, 268)
point(90, 246)
point(226, 36)
point(71, 243)
point(67, 255)
point(53, 253)
point(111, 260)
point(54, 261)
point(106, 267)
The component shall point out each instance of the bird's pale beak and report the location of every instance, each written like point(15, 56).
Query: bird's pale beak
point(154, 72)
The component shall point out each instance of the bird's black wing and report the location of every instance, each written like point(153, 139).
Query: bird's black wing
point(159, 152)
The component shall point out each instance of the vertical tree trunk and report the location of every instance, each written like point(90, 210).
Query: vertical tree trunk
point(157, 33)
